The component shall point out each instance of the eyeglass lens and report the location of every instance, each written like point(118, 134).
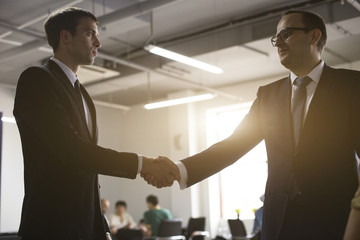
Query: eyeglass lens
point(283, 35)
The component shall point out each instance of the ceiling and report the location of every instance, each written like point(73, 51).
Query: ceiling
point(231, 34)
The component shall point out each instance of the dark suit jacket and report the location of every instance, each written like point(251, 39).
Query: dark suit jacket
point(323, 164)
point(61, 158)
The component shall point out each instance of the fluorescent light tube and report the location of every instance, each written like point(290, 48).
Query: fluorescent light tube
point(178, 101)
point(183, 59)
point(8, 119)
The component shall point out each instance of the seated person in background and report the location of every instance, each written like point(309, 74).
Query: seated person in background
point(120, 219)
point(258, 217)
point(105, 204)
point(154, 215)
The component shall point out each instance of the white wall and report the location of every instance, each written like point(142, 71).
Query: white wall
point(182, 143)
point(139, 131)
point(12, 190)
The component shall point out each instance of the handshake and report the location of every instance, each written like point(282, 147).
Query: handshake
point(159, 172)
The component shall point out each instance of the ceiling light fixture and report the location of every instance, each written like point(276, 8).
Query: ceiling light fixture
point(183, 59)
point(8, 119)
point(179, 101)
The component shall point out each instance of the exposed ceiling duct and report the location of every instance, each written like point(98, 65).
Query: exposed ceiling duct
point(172, 76)
point(122, 14)
point(355, 4)
point(228, 34)
point(38, 19)
point(133, 11)
point(16, 51)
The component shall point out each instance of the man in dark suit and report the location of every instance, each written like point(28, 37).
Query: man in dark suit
point(57, 123)
point(310, 124)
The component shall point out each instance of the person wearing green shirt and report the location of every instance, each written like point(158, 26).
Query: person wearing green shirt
point(155, 215)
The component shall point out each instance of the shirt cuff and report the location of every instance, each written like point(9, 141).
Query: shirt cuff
point(108, 236)
point(140, 163)
point(183, 175)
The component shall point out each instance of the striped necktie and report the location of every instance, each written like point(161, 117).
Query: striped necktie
point(298, 106)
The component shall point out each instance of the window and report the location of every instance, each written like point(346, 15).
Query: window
point(241, 184)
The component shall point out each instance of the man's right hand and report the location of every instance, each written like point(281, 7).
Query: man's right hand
point(159, 172)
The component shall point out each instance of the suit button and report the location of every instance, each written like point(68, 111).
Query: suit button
point(299, 193)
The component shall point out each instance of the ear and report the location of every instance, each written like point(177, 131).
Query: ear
point(65, 37)
point(315, 36)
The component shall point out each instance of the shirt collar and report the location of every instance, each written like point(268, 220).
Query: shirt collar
point(68, 72)
point(315, 74)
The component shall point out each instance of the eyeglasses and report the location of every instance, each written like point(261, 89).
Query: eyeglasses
point(285, 33)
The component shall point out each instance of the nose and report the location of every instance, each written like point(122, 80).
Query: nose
point(97, 42)
point(278, 42)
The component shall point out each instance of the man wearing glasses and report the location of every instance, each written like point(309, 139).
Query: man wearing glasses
point(310, 123)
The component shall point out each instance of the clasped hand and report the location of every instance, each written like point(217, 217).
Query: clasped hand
point(159, 172)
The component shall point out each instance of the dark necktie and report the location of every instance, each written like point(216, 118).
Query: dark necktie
point(79, 98)
point(298, 106)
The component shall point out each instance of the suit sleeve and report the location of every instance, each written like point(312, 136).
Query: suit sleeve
point(222, 154)
point(356, 119)
point(356, 116)
point(39, 112)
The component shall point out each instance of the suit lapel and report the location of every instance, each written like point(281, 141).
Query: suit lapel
point(278, 115)
point(65, 82)
point(316, 108)
point(285, 104)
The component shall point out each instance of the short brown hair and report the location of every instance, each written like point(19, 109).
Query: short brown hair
point(312, 21)
point(64, 19)
point(153, 200)
point(120, 203)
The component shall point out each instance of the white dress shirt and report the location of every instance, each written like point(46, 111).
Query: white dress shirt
point(72, 77)
point(315, 75)
point(120, 222)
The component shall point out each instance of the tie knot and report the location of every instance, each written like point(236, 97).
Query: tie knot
point(302, 81)
point(77, 84)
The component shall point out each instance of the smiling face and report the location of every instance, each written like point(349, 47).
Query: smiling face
point(298, 49)
point(84, 43)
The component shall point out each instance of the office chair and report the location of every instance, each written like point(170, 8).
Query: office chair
point(196, 229)
point(237, 229)
point(9, 236)
point(170, 230)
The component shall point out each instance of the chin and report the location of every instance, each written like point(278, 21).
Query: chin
point(285, 62)
point(88, 62)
